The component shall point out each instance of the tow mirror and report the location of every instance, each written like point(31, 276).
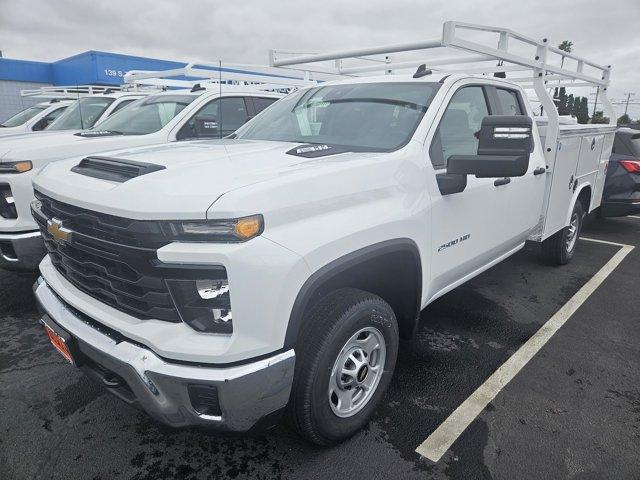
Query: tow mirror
point(504, 146)
point(206, 127)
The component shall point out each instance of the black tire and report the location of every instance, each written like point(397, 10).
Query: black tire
point(556, 250)
point(327, 328)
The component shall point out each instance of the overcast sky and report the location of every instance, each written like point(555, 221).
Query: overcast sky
point(242, 31)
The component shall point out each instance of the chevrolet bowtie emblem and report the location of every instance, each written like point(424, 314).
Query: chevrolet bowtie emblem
point(59, 233)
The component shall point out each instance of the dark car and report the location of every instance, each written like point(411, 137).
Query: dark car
point(622, 187)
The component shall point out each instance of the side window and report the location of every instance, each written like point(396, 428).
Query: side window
point(217, 119)
point(456, 134)
point(121, 105)
point(47, 120)
point(509, 102)
point(260, 103)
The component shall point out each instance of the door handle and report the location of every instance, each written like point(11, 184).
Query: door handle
point(539, 171)
point(502, 181)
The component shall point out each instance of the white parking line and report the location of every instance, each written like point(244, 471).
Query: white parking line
point(633, 216)
point(437, 444)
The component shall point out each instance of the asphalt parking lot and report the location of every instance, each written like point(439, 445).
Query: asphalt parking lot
point(573, 411)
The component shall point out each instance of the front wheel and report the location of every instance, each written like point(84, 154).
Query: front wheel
point(345, 359)
point(560, 248)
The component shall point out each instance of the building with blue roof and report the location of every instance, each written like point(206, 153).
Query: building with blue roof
point(87, 68)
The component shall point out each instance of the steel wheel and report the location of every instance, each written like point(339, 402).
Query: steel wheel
point(572, 233)
point(356, 372)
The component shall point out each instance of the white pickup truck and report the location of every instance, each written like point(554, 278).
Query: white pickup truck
point(204, 111)
point(34, 118)
point(219, 283)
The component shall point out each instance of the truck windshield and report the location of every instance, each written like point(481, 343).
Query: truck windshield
point(22, 117)
point(146, 115)
point(364, 116)
point(82, 114)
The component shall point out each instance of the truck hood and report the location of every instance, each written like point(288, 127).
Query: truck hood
point(44, 147)
point(196, 174)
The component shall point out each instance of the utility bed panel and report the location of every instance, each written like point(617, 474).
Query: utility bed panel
point(581, 158)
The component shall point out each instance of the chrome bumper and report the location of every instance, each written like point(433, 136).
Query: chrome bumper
point(21, 251)
point(245, 393)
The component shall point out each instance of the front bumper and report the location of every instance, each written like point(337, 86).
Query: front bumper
point(21, 251)
point(245, 393)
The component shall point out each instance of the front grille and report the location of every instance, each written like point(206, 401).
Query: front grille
point(114, 259)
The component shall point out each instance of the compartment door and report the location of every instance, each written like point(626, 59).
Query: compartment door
point(605, 153)
point(562, 180)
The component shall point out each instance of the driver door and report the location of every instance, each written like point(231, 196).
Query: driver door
point(467, 229)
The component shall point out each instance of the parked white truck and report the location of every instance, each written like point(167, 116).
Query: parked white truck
point(218, 282)
point(207, 110)
point(34, 118)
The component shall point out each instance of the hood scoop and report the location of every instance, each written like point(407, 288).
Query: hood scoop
point(114, 169)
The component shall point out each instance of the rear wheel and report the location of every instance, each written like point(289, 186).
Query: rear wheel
point(560, 248)
point(345, 359)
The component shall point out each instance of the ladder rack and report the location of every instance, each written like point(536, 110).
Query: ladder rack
point(538, 66)
point(70, 92)
point(210, 74)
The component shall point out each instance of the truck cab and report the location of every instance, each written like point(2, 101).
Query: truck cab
point(222, 282)
point(34, 118)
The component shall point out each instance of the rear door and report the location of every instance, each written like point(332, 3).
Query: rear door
point(524, 194)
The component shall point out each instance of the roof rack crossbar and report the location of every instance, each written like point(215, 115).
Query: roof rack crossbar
point(70, 92)
point(261, 77)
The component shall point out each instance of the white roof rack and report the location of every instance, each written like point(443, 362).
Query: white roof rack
point(71, 92)
point(259, 77)
point(478, 49)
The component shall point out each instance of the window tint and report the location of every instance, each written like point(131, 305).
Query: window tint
point(146, 115)
point(229, 114)
point(261, 103)
point(360, 117)
point(84, 113)
point(48, 119)
point(509, 103)
point(456, 134)
point(121, 105)
point(22, 117)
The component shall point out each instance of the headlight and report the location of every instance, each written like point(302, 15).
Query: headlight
point(205, 305)
point(231, 230)
point(15, 167)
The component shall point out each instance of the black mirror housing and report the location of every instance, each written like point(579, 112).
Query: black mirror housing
point(505, 144)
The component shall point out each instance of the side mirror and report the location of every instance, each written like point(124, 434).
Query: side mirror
point(206, 127)
point(504, 147)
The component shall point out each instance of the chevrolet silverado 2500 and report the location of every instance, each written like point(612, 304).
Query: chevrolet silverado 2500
point(219, 282)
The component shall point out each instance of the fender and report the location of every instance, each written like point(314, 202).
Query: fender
point(311, 290)
point(574, 199)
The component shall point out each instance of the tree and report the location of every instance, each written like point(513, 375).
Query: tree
point(566, 46)
point(582, 109)
point(624, 120)
point(599, 117)
point(570, 108)
point(563, 107)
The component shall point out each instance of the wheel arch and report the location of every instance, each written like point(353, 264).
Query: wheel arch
point(582, 194)
point(391, 269)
